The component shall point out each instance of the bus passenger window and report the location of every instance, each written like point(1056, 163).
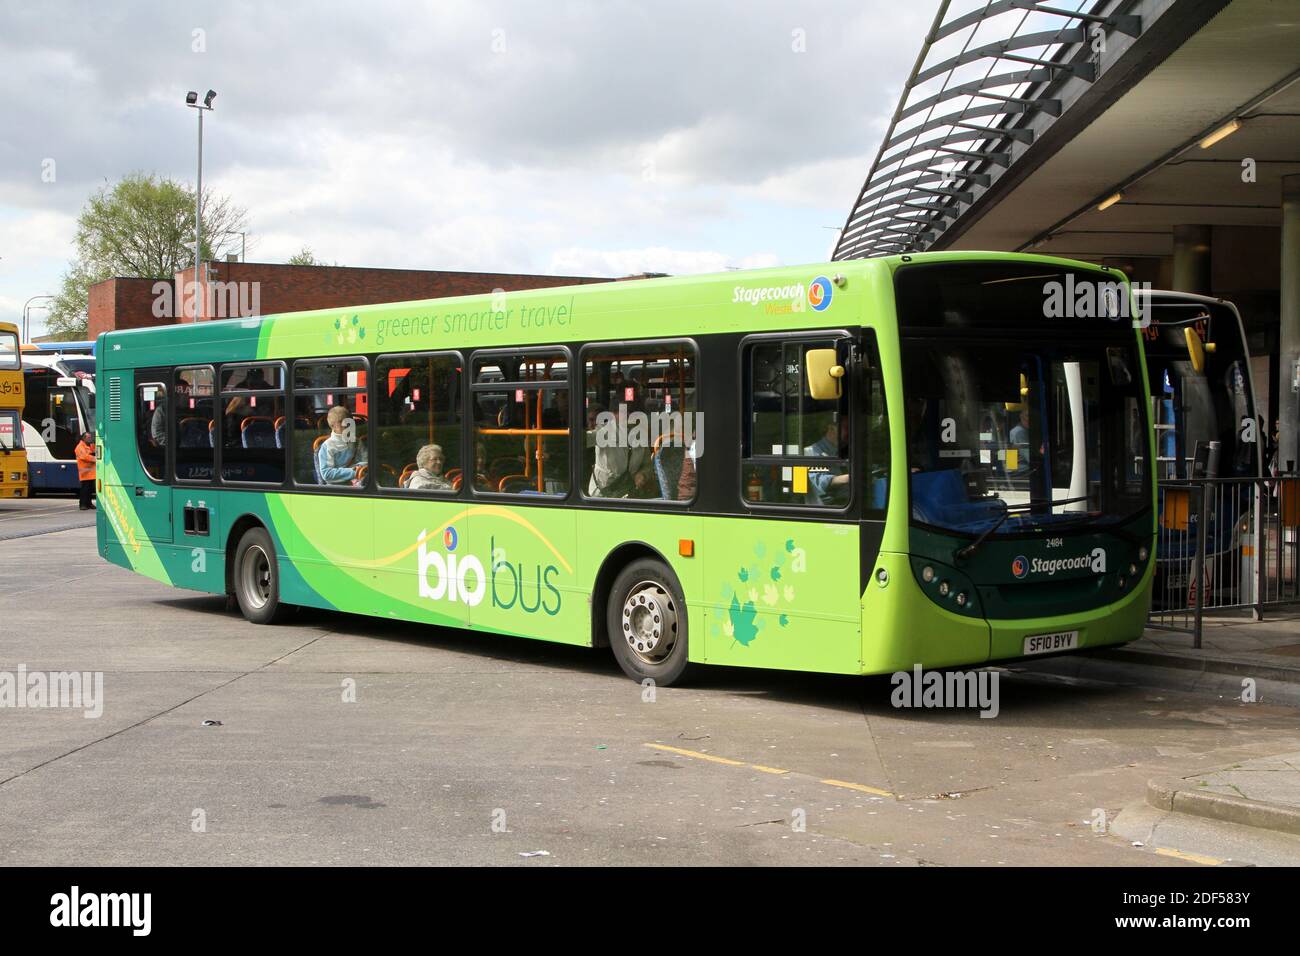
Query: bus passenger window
point(194, 422)
point(330, 418)
point(796, 447)
point(521, 420)
point(643, 436)
point(253, 419)
point(151, 428)
point(419, 422)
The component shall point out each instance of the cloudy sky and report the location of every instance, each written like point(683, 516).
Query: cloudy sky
point(593, 138)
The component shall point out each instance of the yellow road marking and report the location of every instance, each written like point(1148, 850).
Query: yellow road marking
point(1193, 857)
point(696, 754)
point(857, 786)
point(862, 788)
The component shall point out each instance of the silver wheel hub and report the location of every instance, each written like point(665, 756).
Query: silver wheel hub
point(255, 577)
point(650, 622)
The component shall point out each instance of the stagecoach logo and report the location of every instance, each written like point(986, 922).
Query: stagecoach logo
point(1095, 561)
point(819, 294)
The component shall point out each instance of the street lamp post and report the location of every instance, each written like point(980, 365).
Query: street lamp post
point(26, 310)
point(192, 100)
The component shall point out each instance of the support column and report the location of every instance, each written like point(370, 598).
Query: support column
point(1288, 412)
point(1192, 259)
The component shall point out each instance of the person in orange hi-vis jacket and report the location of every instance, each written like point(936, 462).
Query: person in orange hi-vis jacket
point(86, 469)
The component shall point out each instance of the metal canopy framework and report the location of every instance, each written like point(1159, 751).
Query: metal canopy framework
point(985, 85)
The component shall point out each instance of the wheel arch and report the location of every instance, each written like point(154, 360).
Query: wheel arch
point(237, 531)
point(614, 562)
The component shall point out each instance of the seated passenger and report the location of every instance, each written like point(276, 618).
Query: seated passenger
point(429, 462)
point(619, 471)
point(341, 454)
point(828, 485)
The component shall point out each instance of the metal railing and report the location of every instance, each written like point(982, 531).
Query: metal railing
point(1224, 543)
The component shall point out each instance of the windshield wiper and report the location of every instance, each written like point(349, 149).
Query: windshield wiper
point(961, 554)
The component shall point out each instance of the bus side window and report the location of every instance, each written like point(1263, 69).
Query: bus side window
point(194, 423)
point(643, 439)
point(419, 422)
point(331, 411)
point(796, 447)
point(253, 419)
point(521, 420)
point(151, 428)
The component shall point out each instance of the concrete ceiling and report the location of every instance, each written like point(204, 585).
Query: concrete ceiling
point(1248, 48)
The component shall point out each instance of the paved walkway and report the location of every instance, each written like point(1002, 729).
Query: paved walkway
point(1268, 649)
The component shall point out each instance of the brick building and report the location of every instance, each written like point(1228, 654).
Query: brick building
point(257, 288)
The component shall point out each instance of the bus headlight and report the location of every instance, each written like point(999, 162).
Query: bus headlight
point(961, 598)
point(1133, 569)
point(944, 588)
point(927, 574)
point(1121, 580)
point(1142, 553)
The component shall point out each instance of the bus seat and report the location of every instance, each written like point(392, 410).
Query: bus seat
point(191, 433)
point(256, 431)
point(407, 472)
point(668, 461)
point(937, 495)
point(212, 433)
point(879, 493)
point(315, 457)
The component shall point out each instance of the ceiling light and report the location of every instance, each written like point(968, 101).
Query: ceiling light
point(1223, 132)
point(1109, 201)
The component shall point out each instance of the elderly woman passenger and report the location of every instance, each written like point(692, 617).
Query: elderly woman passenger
point(429, 463)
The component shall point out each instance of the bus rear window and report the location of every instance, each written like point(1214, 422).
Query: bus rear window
point(8, 350)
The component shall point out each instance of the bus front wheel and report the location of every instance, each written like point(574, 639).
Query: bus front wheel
point(646, 618)
point(257, 578)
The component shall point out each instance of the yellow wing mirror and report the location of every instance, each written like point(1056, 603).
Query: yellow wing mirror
point(1024, 393)
point(823, 372)
point(1196, 350)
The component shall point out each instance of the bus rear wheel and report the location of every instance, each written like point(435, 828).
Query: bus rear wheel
point(646, 620)
point(256, 578)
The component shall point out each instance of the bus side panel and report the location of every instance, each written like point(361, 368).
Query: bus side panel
point(903, 627)
point(414, 540)
point(532, 587)
point(782, 594)
point(127, 524)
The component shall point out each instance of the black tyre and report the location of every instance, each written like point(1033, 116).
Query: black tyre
point(646, 620)
point(256, 578)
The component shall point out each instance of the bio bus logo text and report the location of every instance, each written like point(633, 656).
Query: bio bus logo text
point(460, 578)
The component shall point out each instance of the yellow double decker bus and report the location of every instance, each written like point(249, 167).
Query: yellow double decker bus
point(13, 458)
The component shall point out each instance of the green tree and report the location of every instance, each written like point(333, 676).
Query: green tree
point(305, 257)
point(139, 228)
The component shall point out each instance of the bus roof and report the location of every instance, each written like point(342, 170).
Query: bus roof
point(817, 295)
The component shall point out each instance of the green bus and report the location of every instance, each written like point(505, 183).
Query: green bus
point(853, 467)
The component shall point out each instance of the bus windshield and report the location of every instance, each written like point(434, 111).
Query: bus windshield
point(11, 432)
point(8, 350)
point(1028, 435)
point(1194, 408)
point(1018, 428)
